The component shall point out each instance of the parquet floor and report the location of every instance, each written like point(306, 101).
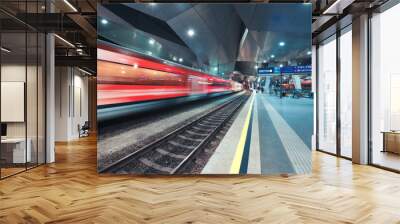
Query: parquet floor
point(71, 191)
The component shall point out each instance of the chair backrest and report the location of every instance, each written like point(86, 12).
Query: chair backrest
point(86, 125)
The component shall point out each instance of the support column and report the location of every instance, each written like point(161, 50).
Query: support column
point(360, 90)
point(314, 90)
point(50, 98)
point(92, 99)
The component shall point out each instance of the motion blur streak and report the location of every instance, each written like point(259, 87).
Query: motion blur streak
point(128, 78)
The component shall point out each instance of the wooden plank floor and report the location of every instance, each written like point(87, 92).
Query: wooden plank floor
point(71, 191)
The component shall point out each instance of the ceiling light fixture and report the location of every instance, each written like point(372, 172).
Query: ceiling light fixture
point(180, 60)
point(5, 50)
point(151, 42)
point(309, 52)
point(190, 32)
point(104, 21)
point(281, 65)
point(64, 40)
point(70, 5)
point(265, 61)
point(272, 56)
point(281, 43)
point(174, 58)
point(256, 66)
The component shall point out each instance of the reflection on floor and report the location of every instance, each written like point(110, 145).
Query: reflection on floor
point(10, 171)
point(387, 159)
point(71, 191)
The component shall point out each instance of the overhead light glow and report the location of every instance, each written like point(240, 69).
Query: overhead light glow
point(5, 50)
point(180, 60)
point(272, 56)
point(64, 40)
point(190, 33)
point(215, 69)
point(135, 66)
point(256, 66)
point(174, 58)
point(152, 4)
point(309, 52)
point(281, 65)
point(104, 21)
point(151, 41)
point(281, 43)
point(150, 53)
point(70, 5)
point(265, 61)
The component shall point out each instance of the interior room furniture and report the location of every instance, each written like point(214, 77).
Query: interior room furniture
point(391, 141)
point(13, 150)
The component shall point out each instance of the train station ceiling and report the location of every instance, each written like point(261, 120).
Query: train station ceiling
point(226, 36)
point(222, 36)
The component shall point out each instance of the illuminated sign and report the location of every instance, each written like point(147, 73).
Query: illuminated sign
point(285, 69)
point(270, 70)
point(296, 69)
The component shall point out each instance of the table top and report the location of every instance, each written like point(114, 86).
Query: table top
point(391, 132)
point(13, 140)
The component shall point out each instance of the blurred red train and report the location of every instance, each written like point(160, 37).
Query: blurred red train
point(124, 78)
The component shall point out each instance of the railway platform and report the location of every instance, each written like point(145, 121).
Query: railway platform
point(270, 135)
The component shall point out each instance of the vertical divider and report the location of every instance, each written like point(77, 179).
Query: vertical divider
point(338, 100)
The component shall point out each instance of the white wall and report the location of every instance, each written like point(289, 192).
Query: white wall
point(16, 73)
point(33, 126)
point(71, 103)
point(385, 74)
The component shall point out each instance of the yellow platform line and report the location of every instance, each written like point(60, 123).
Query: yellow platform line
point(237, 160)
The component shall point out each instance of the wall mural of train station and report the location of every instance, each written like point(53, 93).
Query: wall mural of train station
point(199, 88)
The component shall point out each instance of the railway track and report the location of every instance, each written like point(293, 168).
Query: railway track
point(174, 152)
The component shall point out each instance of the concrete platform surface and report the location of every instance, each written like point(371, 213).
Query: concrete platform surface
point(277, 138)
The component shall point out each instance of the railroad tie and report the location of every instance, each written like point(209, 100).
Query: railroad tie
point(156, 166)
point(170, 154)
point(180, 145)
point(190, 139)
point(195, 133)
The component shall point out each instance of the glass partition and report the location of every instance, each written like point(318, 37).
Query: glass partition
point(22, 88)
point(385, 89)
point(346, 92)
point(327, 95)
point(13, 94)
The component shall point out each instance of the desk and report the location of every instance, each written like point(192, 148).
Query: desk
point(391, 141)
point(16, 147)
